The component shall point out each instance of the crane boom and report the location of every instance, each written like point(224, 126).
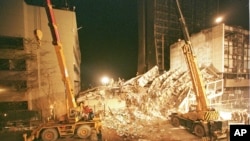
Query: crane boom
point(203, 121)
point(198, 86)
point(75, 124)
point(71, 103)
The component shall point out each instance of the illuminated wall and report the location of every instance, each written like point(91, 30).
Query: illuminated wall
point(43, 80)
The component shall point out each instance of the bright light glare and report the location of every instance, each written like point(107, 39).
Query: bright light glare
point(105, 80)
point(51, 107)
point(2, 89)
point(225, 115)
point(218, 20)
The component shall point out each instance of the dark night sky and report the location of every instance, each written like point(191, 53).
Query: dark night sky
point(235, 12)
point(108, 39)
point(109, 35)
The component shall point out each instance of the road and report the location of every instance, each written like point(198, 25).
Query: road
point(161, 132)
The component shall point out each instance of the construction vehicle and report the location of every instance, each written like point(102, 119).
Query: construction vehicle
point(201, 120)
point(73, 125)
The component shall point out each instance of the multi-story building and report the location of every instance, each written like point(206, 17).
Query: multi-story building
point(227, 49)
point(159, 27)
point(29, 70)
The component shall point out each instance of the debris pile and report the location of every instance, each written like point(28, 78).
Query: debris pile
point(148, 98)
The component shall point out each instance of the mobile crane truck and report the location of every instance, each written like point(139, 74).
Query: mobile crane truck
point(51, 131)
point(203, 121)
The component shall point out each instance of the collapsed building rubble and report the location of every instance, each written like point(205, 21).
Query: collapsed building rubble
point(147, 99)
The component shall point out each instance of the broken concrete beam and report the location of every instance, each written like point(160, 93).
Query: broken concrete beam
point(148, 76)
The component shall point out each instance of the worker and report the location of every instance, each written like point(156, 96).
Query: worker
point(87, 112)
point(91, 114)
point(244, 116)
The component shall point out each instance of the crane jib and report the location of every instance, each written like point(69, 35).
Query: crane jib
point(52, 24)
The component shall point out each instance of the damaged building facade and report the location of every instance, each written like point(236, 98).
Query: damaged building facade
point(227, 49)
point(29, 72)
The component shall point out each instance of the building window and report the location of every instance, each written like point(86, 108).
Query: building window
point(4, 64)
point(11, 43)
point(13, 64)
point(14, 84)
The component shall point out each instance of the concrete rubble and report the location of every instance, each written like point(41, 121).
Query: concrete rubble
point(148, 100)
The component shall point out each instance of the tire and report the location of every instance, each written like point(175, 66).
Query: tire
point(199, 130)
point(175, 122)
point(49, 134)
point(84, 131)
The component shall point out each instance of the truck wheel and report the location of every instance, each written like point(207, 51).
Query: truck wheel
point(175, 121)
point(199, 130)
point(49, 134)
point(84, 131)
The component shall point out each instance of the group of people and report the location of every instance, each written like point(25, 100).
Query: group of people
point(240, 116)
